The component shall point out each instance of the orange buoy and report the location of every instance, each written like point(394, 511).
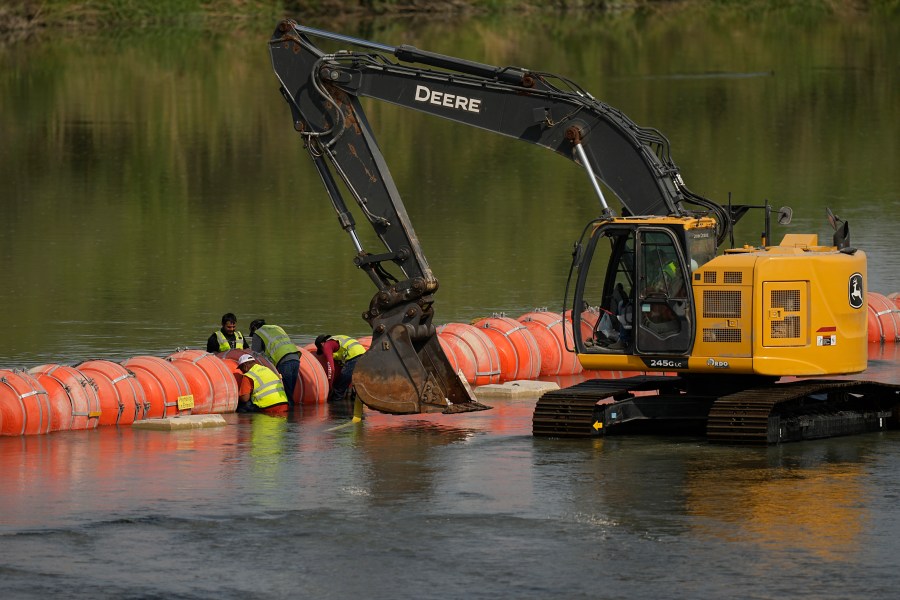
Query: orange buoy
point(459, 354)
point(122, 399)
point(74, 401)
point(883, 319)
point(210, 379)
point(895, 298)
point(551, 332)
point(24, 404)
point(520, 357)
point(487, 360)
point(231, 357)
point(365, 340)
point(589, 319)
point(312, 382)
point(235, 353)
point(231, 365)
point(166, 388)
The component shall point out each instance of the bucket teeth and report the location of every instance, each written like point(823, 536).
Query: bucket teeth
point(465, 407)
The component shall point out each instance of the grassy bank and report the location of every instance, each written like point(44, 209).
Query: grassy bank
point(22, 17)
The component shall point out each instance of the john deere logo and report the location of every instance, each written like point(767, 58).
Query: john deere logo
point(855, 291)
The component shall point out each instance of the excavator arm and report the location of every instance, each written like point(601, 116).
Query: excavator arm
point(405, 370)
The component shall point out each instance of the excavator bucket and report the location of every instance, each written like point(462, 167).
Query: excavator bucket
point(405, 371)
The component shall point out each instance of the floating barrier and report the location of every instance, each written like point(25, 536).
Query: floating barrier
point(884, 319)
point(459, 354)
point(211, 381)
point(231, 357)
point(487, 359)
point(589, 319)
point(520, 357)
point(548, 331)
point(235, 353)
point(122, 398)
point(101, 392)
point(166, 389)
point(74, 400)
point(24, 404)
point(312, 382)
point(895, 298)
point(450, 353)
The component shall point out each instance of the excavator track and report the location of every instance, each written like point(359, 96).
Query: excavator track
point(769, 414)
point(571, 412)
point(803, 410)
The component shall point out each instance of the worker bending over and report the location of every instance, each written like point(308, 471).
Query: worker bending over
point(339, 354)
point(272, 341)
point(261, 389)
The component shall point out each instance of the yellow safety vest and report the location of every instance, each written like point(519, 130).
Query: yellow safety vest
point(267, 388)
point(350, 348)
point(225, 344)
point(276, 341)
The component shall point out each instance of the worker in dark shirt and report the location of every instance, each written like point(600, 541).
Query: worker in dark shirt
point(226, 338)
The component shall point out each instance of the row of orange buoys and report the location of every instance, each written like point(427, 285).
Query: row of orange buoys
point(56, 397)
point(496, 349)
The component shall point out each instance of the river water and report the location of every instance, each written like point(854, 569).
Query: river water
point(141, 175)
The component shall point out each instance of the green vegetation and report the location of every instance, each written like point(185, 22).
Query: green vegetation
point(25, 16)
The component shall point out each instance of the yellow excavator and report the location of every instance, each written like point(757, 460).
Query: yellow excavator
point(743, 341)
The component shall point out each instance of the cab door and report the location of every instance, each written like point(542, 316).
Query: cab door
point(663, 320)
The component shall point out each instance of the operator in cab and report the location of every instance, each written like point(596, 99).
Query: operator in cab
point(274, 343)
point(226, 338)
point(261, 389)
point(338, 354)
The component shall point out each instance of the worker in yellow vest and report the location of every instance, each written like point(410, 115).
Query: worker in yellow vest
point(338, 354)
point(261, 389)
point(226, 338)
point(274, 343)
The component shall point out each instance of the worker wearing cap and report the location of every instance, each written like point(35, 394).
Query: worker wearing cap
point(261, 389)
point(226, 338)
point(339, 354)
point(272, 341)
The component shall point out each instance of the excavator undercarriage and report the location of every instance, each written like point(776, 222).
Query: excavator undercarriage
point(768, 414)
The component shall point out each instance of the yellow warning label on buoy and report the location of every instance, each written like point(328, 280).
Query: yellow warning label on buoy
point(185, 402)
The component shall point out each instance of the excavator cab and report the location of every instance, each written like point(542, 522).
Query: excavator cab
point(637, 272)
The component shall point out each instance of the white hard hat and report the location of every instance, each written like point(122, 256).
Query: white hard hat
point(245, 358)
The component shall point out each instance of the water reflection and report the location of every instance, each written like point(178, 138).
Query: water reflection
point(267, 447)
point(809, 497)
point(401, 462)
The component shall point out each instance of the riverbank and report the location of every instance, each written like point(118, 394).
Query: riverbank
point(22, 18)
